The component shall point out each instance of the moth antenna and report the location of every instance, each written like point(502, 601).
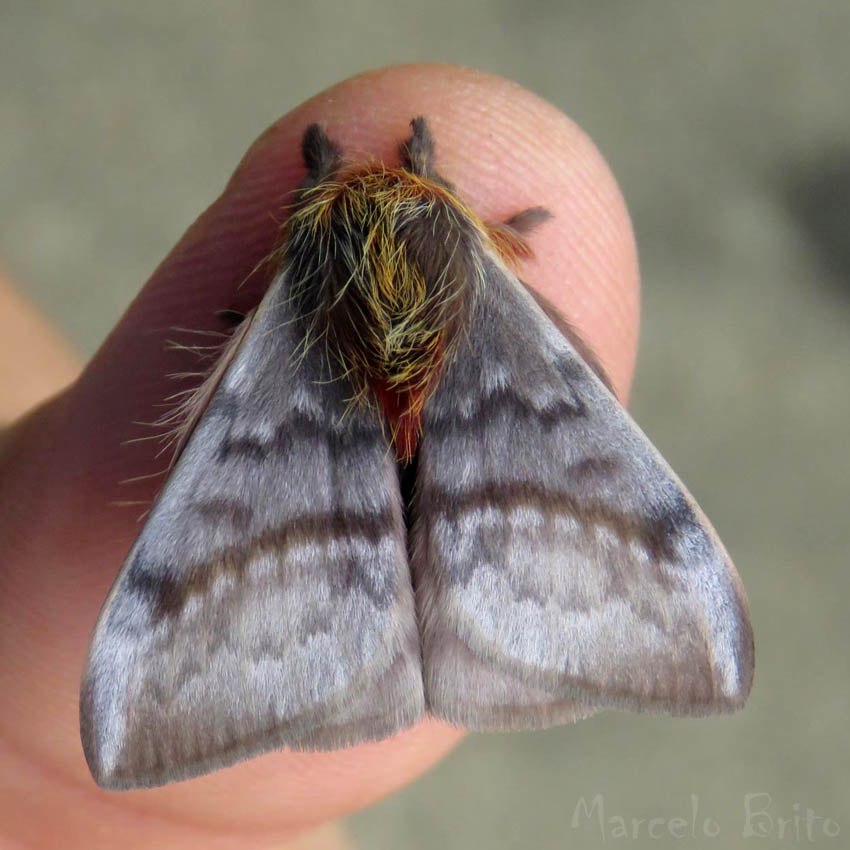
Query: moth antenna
point(509, 236)
point(528, 220)
point(322, 157)
point(417, 153)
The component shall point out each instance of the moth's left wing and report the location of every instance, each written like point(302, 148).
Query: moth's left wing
point(560, 566)
point(267, 601)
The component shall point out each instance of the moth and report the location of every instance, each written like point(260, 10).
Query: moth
point(406, 487)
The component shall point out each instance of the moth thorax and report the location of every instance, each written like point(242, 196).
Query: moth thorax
point(395, 289)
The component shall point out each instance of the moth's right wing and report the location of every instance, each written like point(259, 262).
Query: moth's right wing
point(267, 601)
point(560, 566)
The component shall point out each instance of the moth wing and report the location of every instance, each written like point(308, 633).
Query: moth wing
point(560, 566)
point(267, 601)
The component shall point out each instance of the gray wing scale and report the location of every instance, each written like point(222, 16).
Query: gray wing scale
point(267, 601)
point(560, 566)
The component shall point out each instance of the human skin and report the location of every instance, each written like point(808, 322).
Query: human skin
point(61, 463)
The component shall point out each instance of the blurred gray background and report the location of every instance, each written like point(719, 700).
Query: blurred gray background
point(728, 127)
